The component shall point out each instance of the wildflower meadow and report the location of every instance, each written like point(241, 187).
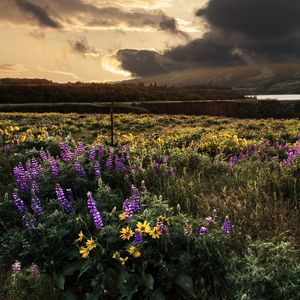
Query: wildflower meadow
point(179, 207)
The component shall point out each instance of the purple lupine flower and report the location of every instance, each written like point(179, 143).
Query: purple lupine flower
point(138, 237)
point(16, 268)
point(36, 203)
point(21, 177)
point(69, 195)
point(129, 207)
point(101, 150)
point(78, 169)
point(92, 153)
point(132, 204)
point(170, 171)
point(202, 230)
point(109, 162)
point(53, 167)
point(135, 194)
point(35, 272)
point(95, 214)
point(227, 227)
point(97, 169)
point(43, 155)
point(19, 203)
point(292, 155)
point(156, 167)
point(29, 221)
point(209, 220)
point(64, 203)
point(119, 163)
point(35, 169)
point(65, 152)
point(80, 150)
point(162, 228)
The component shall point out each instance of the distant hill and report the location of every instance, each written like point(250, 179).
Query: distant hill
point(269, 79)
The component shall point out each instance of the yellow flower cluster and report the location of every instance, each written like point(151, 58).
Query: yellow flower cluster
point(126, 233)
point(90, 244)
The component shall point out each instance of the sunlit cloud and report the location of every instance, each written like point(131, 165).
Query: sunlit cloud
point(112, 64)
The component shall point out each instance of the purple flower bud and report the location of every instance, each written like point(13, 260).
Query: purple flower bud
point(35, 273)
point(156, 167)
point(36, 203)
point(109, 162)
point(227, 227)
point(101, 150)
point(29, 221)
point(202, 230)
point(80, 150)
point(65, 152)
point(43, 155)
point(95, 214)
point(78, 169)
point(138, 237)
point(92, 154)
point(170, 171)
point(16, 268)
point(19, 203)
point(53, 167)
point(64, 203)
point(97, 169)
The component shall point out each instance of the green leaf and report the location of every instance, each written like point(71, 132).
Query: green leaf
point(148, 281)
point(186, 283)
point(93, 296)
point(158, 295)
point(68, 295)
point(59, 281)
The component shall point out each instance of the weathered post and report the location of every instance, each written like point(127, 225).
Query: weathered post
point(112, 124)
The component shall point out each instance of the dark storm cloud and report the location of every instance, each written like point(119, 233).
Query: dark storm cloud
point(241, 32)
point(256, 18)
point(141, 62)
point(37, 12)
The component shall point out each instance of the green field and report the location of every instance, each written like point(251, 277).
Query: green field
point(180, 207)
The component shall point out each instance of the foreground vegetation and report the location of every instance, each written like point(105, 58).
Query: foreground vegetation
point(179, 208)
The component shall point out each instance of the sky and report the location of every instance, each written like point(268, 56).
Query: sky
point(77, 40)
point(112, 40)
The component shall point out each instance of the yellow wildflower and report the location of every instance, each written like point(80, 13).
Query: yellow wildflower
point(155, 232)
point(126, 233)
point(84, 252)
point(123, 260)
point(116, 255)
point(164, 220)
point(80, 236)
point(90, 244)
point(143, 227)
point(134, 251)
point(122, 216)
